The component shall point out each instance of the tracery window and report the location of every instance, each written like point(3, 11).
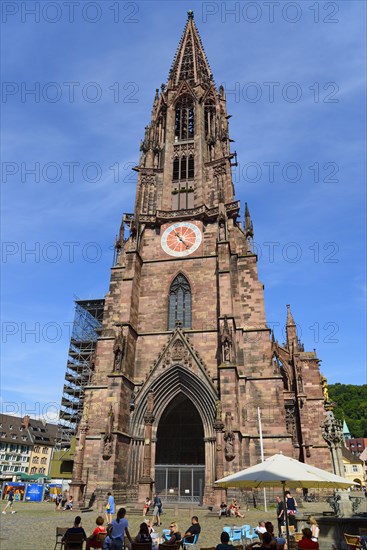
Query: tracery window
point(183, 175)
point(184, 119)
point(179, 308)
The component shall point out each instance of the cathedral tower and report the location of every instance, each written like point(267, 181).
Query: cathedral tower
point(184, 358)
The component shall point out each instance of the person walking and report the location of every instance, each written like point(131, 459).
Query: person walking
point(117, 531)
point(157, 504)
point(110, 508)
point(9, 504)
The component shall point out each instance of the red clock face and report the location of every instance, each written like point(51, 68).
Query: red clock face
point(181, 239)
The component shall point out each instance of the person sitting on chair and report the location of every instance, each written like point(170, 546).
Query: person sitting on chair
point(260, 529)
point(143, 536)
point(91, 541)
point(280, 541)
point(224, 540)
point(192, 531)
point(75, 530)
point(174, 535)
point(306, 542)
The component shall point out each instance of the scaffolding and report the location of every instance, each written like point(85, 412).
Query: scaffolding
point(79, 369)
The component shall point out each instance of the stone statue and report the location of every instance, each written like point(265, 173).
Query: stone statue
point(150, 402)
point(325, 389)
point(119, 350)
point(108, 437)
point(218, 407)
point(229, 449)
point(227, 352)
point(222, 231)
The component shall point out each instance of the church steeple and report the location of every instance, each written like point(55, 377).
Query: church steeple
point(190, 62)
point(185, 161)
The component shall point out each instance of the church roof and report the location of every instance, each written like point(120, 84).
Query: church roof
point(190, 62)
point(346, 431)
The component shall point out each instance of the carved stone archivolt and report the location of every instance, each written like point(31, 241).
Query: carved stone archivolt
point(149, 416)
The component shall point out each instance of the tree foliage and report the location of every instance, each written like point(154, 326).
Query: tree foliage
point(351, 406)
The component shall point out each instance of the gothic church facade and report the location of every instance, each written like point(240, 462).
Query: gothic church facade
point(185, 358)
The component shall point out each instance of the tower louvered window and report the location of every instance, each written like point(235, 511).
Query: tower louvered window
point(184, 119)
point(179, 308)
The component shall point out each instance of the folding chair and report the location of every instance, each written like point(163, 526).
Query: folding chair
point(250, 534)
point(353, 541)
point(100, 538)
point(74, 541)
point(236, 535)
point(188, 544)
point(60, 532)
point(141, 546)
point(170, 546)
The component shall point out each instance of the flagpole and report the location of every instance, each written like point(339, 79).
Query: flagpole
point(262, 450)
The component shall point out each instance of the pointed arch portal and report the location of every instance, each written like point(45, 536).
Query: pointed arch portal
point(180, 452)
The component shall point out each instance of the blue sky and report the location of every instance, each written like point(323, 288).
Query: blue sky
point(295, 79)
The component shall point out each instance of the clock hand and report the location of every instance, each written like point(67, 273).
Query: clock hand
point(181, 239)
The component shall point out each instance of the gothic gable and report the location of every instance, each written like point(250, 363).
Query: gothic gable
point(177, 351)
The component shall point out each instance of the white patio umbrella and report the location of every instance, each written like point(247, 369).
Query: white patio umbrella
point(281, 471)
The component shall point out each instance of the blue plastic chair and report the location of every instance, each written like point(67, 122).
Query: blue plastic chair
point(236, 535)
point(166, 534)
point(188, 544)
point(250, 535)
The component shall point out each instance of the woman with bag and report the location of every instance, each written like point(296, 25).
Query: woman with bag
point(110, 508)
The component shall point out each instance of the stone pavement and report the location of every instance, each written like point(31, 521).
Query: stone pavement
point(34, 524)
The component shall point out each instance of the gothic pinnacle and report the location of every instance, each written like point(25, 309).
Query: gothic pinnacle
point(290, 320)
point(249, 229)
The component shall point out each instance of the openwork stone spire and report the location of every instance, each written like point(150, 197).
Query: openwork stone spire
point(190, 62)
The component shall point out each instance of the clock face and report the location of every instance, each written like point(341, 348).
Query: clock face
point(181, 239)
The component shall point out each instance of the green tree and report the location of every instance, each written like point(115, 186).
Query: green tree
point(351, 406)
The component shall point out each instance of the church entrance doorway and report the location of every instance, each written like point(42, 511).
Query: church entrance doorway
point(180, 453)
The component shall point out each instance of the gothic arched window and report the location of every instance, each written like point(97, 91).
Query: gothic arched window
point(179, 308)
point(184, 119)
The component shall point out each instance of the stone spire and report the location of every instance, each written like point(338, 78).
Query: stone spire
point(291, 330)
point(190, 62)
